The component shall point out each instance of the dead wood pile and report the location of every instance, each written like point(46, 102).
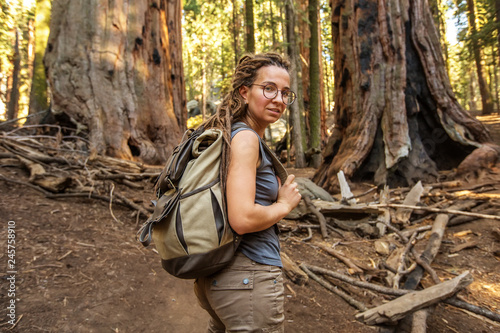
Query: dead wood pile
point(397, 222)
point(63, 166)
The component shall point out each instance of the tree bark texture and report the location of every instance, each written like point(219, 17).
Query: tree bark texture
point(397, 120)
point(112, 70)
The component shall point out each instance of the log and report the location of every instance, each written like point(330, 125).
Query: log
point(409, 303)
point(419, 324)
point(335, 208)
point(293, 271)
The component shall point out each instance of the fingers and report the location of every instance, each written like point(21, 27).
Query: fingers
point(289, 179)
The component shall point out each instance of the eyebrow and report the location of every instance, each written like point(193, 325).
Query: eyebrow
point(266, 82)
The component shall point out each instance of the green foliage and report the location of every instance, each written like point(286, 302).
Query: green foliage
point(210, 33)
point(462, 68)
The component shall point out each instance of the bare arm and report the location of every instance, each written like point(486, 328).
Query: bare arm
point(244, 214)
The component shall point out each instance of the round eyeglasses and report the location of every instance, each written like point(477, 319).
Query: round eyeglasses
point(270, 91)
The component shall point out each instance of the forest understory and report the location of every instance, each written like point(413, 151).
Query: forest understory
point(79, 267)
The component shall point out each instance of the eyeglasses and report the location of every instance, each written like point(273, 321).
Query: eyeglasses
point(270, 91)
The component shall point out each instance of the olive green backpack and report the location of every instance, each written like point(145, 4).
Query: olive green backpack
point(189, 225)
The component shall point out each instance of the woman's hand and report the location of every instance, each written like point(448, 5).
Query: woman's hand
point(289, 194)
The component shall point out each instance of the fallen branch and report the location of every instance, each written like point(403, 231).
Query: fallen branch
point(409, 303)
point(401, 261)
point(430, 252)
point(438, 210)
point(321, 217)
point(358, 305)
point(90, 195)
point(293, 271)
point(354, 269)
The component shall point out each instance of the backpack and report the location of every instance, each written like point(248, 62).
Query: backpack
point(189, 225)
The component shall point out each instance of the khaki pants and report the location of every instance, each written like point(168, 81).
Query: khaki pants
point(243, 297)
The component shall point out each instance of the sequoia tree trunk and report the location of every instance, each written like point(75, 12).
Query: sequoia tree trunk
point(112, 70)
point(397, 120)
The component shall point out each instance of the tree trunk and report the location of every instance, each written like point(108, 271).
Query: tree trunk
point(314, 90)
point(13, 106)
point(38, 92)
point(297, 107)
point(397, 120)
point(236, 33)
point(303, 40)
point(109, 67)
point(249, 26)
point(497, 16)
point(174, 19)
point(483, 86)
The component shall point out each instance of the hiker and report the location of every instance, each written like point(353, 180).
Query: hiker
point(248, 294)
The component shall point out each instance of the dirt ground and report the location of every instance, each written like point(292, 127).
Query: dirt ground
point(79, 269)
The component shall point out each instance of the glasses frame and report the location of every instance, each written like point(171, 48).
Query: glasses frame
point(263, 86)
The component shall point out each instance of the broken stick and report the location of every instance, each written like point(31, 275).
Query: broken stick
point(321, 217)
point(409, 303)
point(358, 305)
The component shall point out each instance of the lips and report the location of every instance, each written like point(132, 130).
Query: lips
point(275, 110)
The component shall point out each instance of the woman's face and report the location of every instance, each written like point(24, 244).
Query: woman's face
point(261, 110)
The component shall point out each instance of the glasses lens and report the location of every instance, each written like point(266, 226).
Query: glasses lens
point(288, 97)
point(270, 91)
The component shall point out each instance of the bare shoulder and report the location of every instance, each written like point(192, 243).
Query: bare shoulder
point(245, 139)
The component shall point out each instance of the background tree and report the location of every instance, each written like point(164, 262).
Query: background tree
point(249, 27)
point(109, 71)
point(16, 28)
point(38, 92)
point(396, 117)
point(13, 105)
point(483, 39)
point(297, 108)
point(314, 87)
point(483, 87)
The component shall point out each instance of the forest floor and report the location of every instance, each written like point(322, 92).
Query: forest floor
point(79, 268)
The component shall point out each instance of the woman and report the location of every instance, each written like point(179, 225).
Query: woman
point(248, 295)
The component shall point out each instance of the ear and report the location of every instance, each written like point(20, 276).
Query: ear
point(244, 92)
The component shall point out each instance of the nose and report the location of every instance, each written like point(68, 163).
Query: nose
point(279, 97)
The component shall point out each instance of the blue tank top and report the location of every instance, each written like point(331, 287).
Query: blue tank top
point(262, 246)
